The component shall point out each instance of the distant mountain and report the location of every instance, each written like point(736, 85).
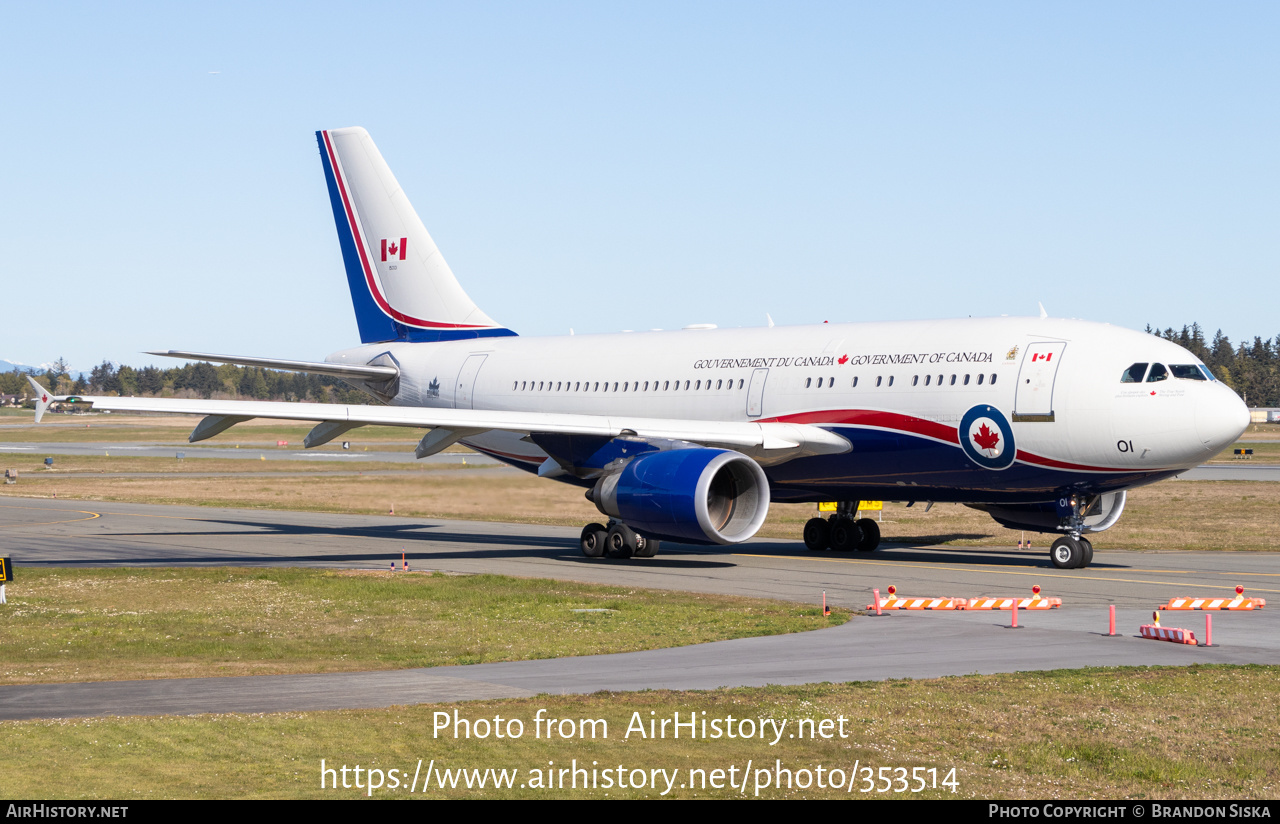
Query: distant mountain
point(8, 366)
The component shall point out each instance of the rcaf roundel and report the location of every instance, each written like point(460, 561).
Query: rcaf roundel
point(987, 438)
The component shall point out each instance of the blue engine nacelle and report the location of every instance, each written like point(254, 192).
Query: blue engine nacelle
point(708, 496)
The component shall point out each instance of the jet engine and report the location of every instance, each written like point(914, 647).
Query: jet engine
point(707, 496)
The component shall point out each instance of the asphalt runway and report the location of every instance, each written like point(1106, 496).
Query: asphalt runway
point(1235, 471)
point(41, 532)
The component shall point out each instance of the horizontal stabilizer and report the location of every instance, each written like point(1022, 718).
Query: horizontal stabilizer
point(337, 370)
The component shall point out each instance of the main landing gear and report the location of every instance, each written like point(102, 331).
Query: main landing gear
point(842, 532)
point(1071, 552)
point(617, 540)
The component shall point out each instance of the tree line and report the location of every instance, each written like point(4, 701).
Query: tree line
point(1251, 368)
point(192, 380)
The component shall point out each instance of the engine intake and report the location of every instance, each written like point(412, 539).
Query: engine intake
point(710, 496)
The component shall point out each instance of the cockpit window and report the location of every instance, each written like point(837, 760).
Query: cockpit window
point(1206, 372)
point(1187, 371)
point(1134, 373)
point(1158, 373)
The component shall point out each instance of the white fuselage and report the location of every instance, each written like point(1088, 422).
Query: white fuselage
point(897, 390)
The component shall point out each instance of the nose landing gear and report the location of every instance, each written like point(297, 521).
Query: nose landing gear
point(1070, 552)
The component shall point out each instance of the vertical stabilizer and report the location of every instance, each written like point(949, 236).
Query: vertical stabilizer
point(400, 284)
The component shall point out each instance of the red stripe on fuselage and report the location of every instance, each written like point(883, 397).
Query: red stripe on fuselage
point(874, 418)
point(364, 259)
point(918, 426)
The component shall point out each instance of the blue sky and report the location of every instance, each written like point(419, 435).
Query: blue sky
point(605, 166)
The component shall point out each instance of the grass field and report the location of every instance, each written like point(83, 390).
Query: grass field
point(1140, 733)
point(118, 624)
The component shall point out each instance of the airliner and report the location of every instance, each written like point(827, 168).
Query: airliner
point(688, 435)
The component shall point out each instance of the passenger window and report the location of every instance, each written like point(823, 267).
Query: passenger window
point(1186, 371)
point(1134, 373)
point(980, 377)
point(855, 381)
point(1158, 373)
point(993, 378)
point(953, 380)
point(915, 380)
point(891, 380)
point(879, 380)
point(927, 379)
point(966, 380)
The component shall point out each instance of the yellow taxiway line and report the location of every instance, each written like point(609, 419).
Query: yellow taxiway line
point(91, 515)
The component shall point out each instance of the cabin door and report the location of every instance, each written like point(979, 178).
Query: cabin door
point(464, 390)
point(1034, 398)
point(755, 393)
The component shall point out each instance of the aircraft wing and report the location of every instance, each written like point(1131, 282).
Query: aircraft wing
point(766, 442)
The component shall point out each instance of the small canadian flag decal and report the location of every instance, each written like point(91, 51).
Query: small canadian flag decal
point(1037, 356)
point(393, 249)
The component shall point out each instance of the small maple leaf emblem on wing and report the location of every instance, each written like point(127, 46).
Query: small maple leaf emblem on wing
point(843, 360)
point(985, 438)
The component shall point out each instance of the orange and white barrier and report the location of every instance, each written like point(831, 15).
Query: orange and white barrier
point(1034, 602)
point(1215, 603)
point(1158, 633)
point(893, 602)
point(1238, 602)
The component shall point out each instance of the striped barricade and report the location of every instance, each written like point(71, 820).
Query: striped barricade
point(1158, 633)
point(1007, 603)
point(893, 602)
point(1215, 603)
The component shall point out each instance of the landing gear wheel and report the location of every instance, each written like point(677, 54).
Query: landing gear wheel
point(592, 540)
point(620, 542)
point(817, 534)
point(1066, 553)
point(645, 547)
point(870, 535)
point(846, 535)
point(1086, 557)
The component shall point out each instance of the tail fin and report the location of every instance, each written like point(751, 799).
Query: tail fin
point(400, 284)
point(43, 398)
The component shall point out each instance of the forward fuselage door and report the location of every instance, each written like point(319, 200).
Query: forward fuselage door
point(464, 388)
point(1034, 398)
point(755, 393)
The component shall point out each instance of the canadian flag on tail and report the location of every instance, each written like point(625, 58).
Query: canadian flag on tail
point(394, 248)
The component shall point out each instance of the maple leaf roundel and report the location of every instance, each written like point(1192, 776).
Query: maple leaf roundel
point(987, 438)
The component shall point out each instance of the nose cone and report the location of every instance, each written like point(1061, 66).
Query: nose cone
point(1221, 417)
